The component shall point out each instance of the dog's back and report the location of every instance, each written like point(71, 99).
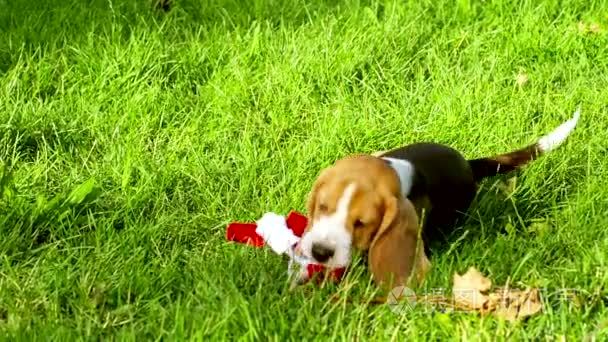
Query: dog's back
point(444, 183)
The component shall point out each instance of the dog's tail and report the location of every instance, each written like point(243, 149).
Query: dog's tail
point(504, 163)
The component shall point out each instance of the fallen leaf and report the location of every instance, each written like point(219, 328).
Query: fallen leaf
point(470, 292)
point(521, 79)
point(512, 304)
point(595, 28)
point(584, 28)
point(531, 303)
point(468, 289)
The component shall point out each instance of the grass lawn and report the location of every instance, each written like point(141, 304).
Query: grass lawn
point(130, 137)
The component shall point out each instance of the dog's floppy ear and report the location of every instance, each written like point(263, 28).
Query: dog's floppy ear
point(392, 252)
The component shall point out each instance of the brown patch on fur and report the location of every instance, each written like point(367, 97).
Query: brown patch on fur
point(393, 251)
point(504, 163)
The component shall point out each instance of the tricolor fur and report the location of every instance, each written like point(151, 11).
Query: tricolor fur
point(375, 203)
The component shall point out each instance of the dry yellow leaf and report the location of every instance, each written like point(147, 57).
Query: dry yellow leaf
point(595, 28)
point(521, 79)
point(470, 292)
point(512, 304)
point(469, 288)
point(589, 28)
point(582, 27)
point(531, 304)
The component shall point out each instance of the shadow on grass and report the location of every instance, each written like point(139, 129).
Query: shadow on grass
point(501, 207)
point(31, 27)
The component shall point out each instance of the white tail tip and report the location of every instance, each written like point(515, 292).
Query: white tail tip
point(552, 140)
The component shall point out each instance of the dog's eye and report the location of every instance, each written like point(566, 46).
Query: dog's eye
point(322, 207)
point(358, 224)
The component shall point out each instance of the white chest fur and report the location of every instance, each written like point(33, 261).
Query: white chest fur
point(405, 171)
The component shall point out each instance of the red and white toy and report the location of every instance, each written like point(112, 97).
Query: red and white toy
point(282, 235)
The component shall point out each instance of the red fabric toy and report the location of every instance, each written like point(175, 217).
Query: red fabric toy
point(282, 235)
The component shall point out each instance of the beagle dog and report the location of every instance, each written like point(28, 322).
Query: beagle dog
point(377, 203)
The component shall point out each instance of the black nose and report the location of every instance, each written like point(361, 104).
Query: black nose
point(321, 253)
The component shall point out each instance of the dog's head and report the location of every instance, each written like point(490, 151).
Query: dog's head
point(357, 204)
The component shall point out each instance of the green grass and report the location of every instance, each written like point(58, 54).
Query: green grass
point(129, 138)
